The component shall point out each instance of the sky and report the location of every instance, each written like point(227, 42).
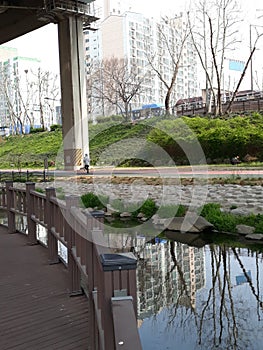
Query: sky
point(43, 43)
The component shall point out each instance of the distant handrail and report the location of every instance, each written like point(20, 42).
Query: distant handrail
point(92, 267)
point(241, 105)
point(77, 7)
point(25, 175)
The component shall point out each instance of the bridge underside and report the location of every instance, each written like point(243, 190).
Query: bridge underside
point(19, 20)
point(20, 17)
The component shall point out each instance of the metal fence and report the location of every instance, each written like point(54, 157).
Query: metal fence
point(240, 106)
point(26, 176)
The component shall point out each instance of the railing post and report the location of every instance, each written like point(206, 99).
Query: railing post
point(119, 283)
point(125, 328)
point(30, 211)
point(74, 272)
point(11, 219)
point(51, 239)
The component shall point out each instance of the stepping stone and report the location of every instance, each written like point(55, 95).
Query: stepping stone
point(255, 236)
point(245, 229)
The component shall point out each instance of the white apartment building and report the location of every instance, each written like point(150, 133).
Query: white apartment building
point(135, 37)
point(27, 94)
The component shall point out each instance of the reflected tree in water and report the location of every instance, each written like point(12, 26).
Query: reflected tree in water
point(221, 320)
point(203, 301)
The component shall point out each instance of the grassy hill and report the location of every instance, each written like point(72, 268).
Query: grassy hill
point(116, 143)
point(29, 151)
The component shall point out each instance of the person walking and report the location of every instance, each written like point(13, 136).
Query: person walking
point(86, 162)
point(235, 160)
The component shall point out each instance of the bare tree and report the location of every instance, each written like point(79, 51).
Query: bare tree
point(213, 37)
point(172, 38)
point(115, 83)
point(45, 86)
point(24, 94)
point(15, 101)
point(95, 83)
point(253, 49)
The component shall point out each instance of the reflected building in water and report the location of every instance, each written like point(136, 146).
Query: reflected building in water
point(168, 273)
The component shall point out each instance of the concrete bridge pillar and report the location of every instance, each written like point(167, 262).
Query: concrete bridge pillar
point(73, 90)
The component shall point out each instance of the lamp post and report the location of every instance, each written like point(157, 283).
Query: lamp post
point(52, 109)
point(250, 48)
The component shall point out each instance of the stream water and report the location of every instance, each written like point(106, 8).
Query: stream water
point(200, 298)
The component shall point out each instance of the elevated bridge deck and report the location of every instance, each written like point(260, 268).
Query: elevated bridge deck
point(36, 310)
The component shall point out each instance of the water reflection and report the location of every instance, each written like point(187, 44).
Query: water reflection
point(197, 298)
point(200, 298)
point(168, 276)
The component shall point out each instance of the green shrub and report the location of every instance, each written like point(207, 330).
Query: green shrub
point(148, 208)
point(227, 222)
point(55, 127)
point(253, 220)
point(222, 221)
point(36, 130)
point(169, 211)
point(259, 226)
point(90, 200)
point(133, 208)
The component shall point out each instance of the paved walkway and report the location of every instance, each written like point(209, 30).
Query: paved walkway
point(36, 311)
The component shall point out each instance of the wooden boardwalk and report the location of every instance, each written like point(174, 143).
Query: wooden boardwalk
point(36, 311)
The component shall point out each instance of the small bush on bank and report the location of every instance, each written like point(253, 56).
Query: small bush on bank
point(148, 208)
point(169, 211)
point(91, 200)
point(226, 222)
point(253, 220)
point(223, 222)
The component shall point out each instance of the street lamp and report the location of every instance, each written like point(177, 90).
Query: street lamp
point(250, 47)
point(52, 109)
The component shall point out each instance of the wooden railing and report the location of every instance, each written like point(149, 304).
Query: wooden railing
point(107, 279)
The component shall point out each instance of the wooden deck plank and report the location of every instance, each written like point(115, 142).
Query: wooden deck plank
point(36, 311)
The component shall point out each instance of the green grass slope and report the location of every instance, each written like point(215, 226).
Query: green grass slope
point(29, 151)
point(114, 143)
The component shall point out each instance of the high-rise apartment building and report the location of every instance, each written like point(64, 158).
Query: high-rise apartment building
point(133, 36)
point(116, 7)
point(27, 93)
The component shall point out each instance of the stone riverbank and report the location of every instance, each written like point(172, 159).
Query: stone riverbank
point(237, 198)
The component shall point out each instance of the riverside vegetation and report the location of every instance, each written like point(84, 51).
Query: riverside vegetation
point(222, 221)
point(219, 138)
